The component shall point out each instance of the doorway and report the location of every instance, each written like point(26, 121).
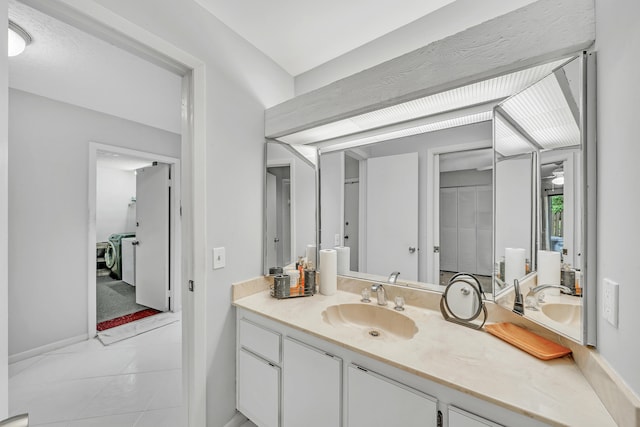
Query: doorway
point(463, 214)
point(133, 205)
point(134, 214)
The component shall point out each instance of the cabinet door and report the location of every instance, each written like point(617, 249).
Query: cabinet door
point(460, 418)
point(258, 389)
point(311, 387)
point(374, 400)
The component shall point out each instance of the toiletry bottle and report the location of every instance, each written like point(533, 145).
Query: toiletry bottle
point(301, 281)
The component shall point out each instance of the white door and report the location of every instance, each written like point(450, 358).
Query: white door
point(449, 229)
point(373, 400)
point(351, 223)
point(311, 387)
point(485, 230)
point(467, 230)
point(259, 389)
point(392, 215)
point(272, 225)
point(152, 234)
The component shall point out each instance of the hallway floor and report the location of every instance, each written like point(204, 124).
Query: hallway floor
point(115, 298)
point(133, 383)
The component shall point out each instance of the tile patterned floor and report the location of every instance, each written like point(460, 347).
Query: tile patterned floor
point(132, 383)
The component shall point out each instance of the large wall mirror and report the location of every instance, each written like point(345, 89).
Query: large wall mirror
point(290, 203)
point(540, 156)
point(467, 180)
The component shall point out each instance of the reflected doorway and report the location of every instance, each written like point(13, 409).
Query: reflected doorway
point(466, 215)
point(278, 215)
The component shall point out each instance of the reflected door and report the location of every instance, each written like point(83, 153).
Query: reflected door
point(272, 234)
point(392, 215)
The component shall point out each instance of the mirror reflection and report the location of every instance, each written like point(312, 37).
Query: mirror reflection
point(380, 202)
point(545, 118)
point(290, 204)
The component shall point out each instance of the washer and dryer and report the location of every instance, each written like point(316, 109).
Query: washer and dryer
point(113, 254)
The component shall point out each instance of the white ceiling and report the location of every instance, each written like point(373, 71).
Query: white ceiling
point(302, 34)
point(105, 159)
point(66, 64)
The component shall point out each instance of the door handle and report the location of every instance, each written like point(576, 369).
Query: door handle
point(412, 249)
point(276, 240)
point(135, 242)
point(346, 237)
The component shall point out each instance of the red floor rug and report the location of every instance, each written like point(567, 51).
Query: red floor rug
point(112, 323)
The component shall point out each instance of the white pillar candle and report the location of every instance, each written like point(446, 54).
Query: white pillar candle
point(514, 265)
point(549, 265)
point(328, 271)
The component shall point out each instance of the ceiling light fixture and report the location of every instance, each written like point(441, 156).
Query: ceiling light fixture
point(558, 178)
point(19, 39)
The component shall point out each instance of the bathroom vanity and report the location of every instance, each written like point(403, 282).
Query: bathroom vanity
point(301, 363)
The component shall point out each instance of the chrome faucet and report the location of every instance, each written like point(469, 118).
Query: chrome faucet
point(518, 306)
point(380, 293)
point(393, 277)
point(534, 290)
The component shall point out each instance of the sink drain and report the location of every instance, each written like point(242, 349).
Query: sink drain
point(374, 333)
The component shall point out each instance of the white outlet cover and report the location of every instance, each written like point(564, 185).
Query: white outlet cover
point(219, 258)
point(610, 301)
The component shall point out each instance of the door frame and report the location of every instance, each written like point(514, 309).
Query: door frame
point(175, 235)
point(433, 194)
point(112, 28)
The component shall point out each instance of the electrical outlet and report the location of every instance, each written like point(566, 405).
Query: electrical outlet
point(336, 240)
point(610, 297)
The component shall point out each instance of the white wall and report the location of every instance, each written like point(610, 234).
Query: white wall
point(48, 211)
point(444, 22)
point(4, 223)
point(618, 44)
point(240, 83)
point(114, 211)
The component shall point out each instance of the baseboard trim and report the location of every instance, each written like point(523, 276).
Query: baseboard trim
point(237, 420)
point(13, 358)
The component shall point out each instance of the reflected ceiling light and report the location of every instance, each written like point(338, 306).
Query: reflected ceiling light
point(558, 178)
point(454, 99)
point(546, 114)
point(18, 39)
point(439, 122)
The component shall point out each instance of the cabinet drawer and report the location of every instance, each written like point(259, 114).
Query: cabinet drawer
point(260, 340)
point(460, 418)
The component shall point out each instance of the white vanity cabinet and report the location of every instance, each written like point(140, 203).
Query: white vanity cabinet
point(311, 386)
point(289, 378)
point(258, 374)
point(374, 400)
point(460, 418)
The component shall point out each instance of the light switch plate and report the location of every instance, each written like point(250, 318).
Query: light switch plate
point(219, 258)
point(610, 297)
point(336, 240)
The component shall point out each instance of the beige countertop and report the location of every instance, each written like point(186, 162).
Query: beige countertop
point(471, 361)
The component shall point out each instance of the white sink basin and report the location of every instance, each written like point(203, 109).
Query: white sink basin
point(567, 314)
point(375, 322)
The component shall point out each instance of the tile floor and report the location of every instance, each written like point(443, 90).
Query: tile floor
point(132, 383)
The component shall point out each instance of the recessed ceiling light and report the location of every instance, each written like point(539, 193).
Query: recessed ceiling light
point(18, 40)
